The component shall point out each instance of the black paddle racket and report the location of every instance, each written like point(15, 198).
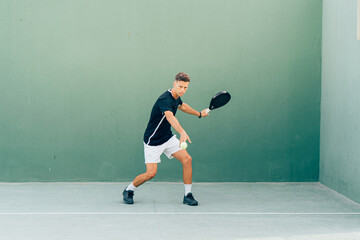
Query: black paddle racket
point(219, 100)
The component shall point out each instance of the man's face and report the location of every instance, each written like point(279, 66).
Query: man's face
point(180, 87)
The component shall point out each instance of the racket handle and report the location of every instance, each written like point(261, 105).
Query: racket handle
point(207, 111)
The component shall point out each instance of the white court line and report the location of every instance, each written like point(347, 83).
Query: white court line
point(178, 213)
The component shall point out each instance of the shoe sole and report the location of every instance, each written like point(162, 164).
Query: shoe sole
point(127, 202)
point(190, 204)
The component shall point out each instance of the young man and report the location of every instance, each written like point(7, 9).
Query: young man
point(159, 139)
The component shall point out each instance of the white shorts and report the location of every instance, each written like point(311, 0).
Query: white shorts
point(153, 153)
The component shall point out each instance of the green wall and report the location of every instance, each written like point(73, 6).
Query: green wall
point(78, 80)
point(340, 113)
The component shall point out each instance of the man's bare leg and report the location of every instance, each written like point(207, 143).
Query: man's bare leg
point(184, 157)
point(151, 169)
point(186, 160)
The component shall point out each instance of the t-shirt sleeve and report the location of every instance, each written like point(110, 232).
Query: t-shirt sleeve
point(180, 101)
point(165, 105)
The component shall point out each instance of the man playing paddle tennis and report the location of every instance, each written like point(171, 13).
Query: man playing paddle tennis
point(158, 138)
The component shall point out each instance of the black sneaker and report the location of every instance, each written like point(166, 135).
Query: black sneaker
point(189, 200)
point(128, 196)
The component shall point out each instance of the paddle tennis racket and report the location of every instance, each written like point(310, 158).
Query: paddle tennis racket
point(219, 100)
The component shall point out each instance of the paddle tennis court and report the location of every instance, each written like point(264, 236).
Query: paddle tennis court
point(90, 90)
point(244, 211)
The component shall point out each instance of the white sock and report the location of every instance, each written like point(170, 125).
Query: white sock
point(131, 187)
point(187, 188)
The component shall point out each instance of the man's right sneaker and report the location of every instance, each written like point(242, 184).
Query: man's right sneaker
point(189, 200)
point(128, 196)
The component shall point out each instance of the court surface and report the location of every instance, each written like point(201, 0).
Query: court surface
point(266, 211)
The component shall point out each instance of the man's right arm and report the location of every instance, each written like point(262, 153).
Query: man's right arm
point(176, 125)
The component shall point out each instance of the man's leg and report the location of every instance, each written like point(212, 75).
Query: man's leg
point(184, 157)
point(151, 169)
point(186, 160)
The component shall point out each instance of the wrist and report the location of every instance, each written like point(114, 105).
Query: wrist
point(199, 114)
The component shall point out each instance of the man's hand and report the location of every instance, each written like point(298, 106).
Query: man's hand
point(184, 137)
point(203, 113)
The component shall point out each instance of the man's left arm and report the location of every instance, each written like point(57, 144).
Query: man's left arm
point(189, 110)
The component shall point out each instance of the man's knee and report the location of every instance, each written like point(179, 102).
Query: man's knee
point(187, 160)
point(150, 175)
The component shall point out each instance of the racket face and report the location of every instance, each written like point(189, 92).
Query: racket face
point(219, 100)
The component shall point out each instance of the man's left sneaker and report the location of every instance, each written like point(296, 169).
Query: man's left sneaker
point(190, 200)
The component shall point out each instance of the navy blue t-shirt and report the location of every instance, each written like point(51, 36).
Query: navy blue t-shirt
point(158, 130)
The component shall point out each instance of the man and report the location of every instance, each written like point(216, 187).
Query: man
point(159, 139)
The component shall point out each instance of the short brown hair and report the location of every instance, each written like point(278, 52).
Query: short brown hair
point(181, 76)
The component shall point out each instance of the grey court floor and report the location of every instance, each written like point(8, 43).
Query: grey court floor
point(266, 211)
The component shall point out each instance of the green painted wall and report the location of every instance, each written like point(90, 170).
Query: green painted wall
point(340, 112)
point(79, 78)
